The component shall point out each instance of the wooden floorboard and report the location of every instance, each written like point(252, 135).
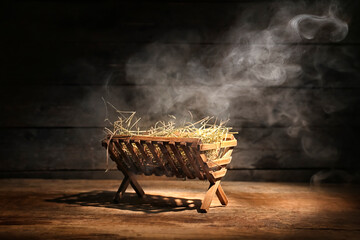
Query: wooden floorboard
point(83, 209)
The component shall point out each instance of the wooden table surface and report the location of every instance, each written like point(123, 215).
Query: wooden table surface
point(83, 209)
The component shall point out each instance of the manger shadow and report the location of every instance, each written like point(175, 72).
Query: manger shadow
point(130, 201)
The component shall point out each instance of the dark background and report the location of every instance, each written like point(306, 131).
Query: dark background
point(58, 58)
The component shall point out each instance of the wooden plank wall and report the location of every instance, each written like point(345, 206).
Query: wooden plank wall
point(58, 58)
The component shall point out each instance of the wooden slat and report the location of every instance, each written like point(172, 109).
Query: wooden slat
point(158, 159)
point(169, 159)
point(209, 196)
point(212, 146)
point(221, 195)
point(116, 158)
point(181, 161)
point(174, 159)
point(133, 182)
point(135, 158)
point(193, 162)
point(112, 151)
point(227, 152)
point(148, 168)
point(228, 137)
point(34, 106)
point(229, 143)
point(199, 157)
point(218, 174)
point(218, 162)
point(125, 148)
point(143, 152)
point(17, 151)
point(209, 146)
point(122, 188)
point(125, 156)
point(142, 159)
point(136, 186)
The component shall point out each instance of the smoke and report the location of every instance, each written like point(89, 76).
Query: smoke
point(333, 176)
point(259, 74)
point(310, 26)
point(206, 81)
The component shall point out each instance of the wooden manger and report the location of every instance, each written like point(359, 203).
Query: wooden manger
point(180, 157)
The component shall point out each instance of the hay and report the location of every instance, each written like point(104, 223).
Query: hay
point(208, 129)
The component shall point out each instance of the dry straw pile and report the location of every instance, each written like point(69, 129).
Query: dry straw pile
point(208, 129)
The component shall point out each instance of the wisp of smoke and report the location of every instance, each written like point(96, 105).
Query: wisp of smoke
point(207, 82)
point(253, 78)
point(309, 26)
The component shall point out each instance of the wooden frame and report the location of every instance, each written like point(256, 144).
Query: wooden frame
point(180, 157)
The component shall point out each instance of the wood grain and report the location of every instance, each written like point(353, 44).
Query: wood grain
point(56, 106)
point(58, 63)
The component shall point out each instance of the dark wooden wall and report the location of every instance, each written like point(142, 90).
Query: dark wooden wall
point(58, 58)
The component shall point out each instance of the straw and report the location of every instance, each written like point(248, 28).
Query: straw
point(207, 129)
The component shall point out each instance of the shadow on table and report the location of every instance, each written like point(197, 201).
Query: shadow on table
point(130, 201)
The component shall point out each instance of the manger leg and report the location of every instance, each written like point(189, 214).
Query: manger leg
point(209, 196)
point(123, 186)
point(136, 186)
point(221, 195)
point(132, 180)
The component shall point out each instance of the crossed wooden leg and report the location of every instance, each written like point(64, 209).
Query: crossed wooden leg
point(120, 192)
point(129, 178)
point(214, 187)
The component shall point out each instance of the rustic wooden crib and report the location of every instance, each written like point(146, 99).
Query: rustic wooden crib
point(171, 156)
